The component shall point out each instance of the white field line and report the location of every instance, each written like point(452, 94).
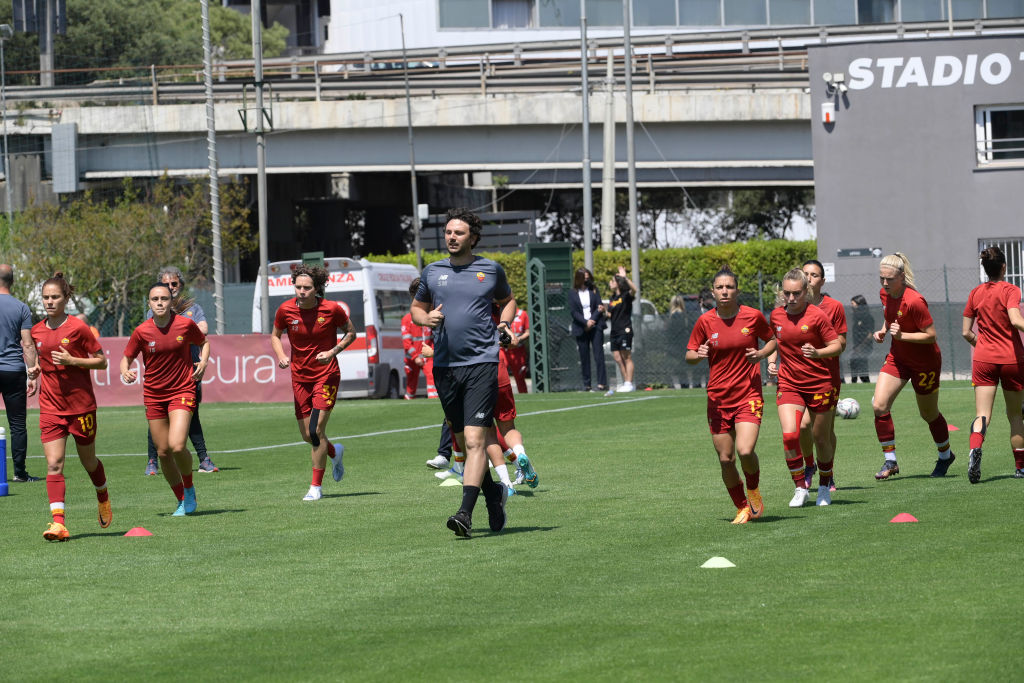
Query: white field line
point(436, 425)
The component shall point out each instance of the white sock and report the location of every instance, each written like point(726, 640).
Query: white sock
point(519, 450)
point(891, 455)
point(503, 475)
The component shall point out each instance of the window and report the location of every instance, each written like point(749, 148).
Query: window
point(1013, 249)
point(968, 9)
point(832, 12)
point(464, 13)
point(556, 13)
point(745, 12)
point(512, 13)
point(1000, 134)
point(876, 11)
point(654, 12)
point(700, 12)
point(1005, 9)
point(789, 12)
point(923, 10)
point(604, 12)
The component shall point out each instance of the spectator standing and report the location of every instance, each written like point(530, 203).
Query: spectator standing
point(19, 368)
point(588, 318)
point(862, 335)
point(620, 308)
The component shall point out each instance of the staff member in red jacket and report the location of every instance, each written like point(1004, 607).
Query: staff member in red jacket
point(414, 339)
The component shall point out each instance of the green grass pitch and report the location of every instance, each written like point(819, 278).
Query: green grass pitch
point(597, 577)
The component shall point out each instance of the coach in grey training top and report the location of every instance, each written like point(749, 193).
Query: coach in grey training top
point(456, 299)
point(16, 352)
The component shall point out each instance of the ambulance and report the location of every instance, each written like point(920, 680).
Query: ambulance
point(375, 296)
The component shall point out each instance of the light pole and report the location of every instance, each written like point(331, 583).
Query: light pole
point(5, 32)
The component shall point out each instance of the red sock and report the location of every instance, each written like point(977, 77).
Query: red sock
point(809, 460)
point(55, 488)
point(940, 432)
point(977, 438)
point(1018, 458)
point(179, 491)
point(186, 480)
point(796, 470)
point(824, 473)
point(753, 478)
point(885, 429)
point(99, 480)
point(737, 495)
point(318, 477)
point(501, 441)
point(330, 449)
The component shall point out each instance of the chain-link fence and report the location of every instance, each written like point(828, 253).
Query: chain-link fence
point(660, 338)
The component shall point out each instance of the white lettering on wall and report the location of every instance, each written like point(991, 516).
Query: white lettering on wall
point(945, 70)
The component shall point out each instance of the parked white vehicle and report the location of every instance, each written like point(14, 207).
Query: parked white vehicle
point(375, 296)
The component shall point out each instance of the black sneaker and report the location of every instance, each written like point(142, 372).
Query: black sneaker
point(1019, 473)
point(496, 516)
point(942, 466)
point(26, 477)
point(974, 466)
point(888, 469)
point(461, 524)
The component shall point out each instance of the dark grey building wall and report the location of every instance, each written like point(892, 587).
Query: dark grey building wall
point(898, 169)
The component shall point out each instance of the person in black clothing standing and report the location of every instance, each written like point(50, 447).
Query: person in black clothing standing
point(19, 368)
point(620, 308)
point(588, 319)
point(861, 335)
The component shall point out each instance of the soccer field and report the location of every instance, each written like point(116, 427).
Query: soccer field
point(597, 577)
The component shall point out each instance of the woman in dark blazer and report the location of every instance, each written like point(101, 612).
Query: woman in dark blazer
point(588, 316)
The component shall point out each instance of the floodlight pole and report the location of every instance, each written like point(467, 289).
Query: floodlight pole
point(412, 152)
point(211, 152)
point(588, 201)
point(634, 261)
point(5, 32)
point(261, 165)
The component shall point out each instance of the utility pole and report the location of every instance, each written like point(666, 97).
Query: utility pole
point(261, 165)
point(608, 163)
point(588, 201)
point(627, 21)
point(211, 152)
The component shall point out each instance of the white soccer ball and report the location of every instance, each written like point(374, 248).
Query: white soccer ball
point(848, 408)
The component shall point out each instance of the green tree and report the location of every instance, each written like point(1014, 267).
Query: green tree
point(110, 251)
point(764, 213)
point(135, 33)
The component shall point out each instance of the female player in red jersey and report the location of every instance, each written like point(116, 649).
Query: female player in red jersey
point(168, 388)
point(913, 356)
point(67, 352)
point(814, 271)
point(727, 337)
point(806, 339)
point(311, 322)
point(998, 357)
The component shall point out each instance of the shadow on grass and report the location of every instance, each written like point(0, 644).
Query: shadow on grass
point(521, 530)
point(928, 476)
point(353, 494)
point(201, 512)
point(853, 488)
point(220, 468)
point(97, 534)
point(995, 478)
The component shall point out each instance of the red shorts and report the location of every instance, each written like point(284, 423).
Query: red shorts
point(723, 420)
point(991, 374)
point(924, 379)
point(321, 394)
point(82, 427)
point(505, 406)
point(157, 410)
point(820, 401)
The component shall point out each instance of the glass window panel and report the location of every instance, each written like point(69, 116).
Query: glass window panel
point(835, 12)
point(700, 13)
point(604, 13)
point(1008, 134)
point(560, 13)
point(923, 10)
point(745, 12)
point(1005, 9)
point(512, 13)
point(464, 13)
point(876, 11)
point(654, 12)
point(968, 9)
point(790, 11)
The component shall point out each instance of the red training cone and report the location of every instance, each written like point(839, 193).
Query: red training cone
point(140, 531)
point(952, 428)
point(903, 517)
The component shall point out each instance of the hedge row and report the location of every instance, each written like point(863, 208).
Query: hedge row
point(667, 272)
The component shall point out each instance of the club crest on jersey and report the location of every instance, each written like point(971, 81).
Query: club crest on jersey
point(804, 328)
point(745, 331)
point(188, 313)
point(65, 340)
point(320, 320)
point(179, 338)
point(480, 277)
point(899, 313)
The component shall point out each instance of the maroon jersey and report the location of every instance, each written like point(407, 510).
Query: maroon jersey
point(796, 372)
point(166, 355)
point(65, 389)
point(733, 379)
point(911, 311)
point(310, 331)
point(998, 340)
point(837, 316)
